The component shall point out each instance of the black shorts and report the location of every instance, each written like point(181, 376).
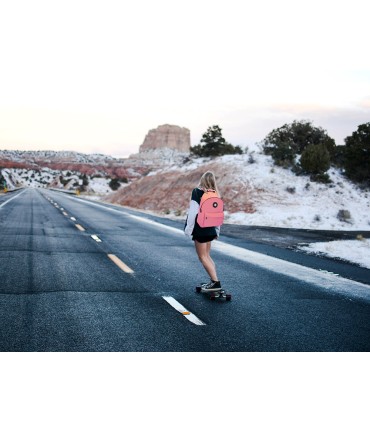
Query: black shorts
point(203, 239)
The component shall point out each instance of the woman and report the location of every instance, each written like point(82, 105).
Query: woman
point(203, 237)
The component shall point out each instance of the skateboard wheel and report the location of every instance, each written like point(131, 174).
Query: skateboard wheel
point(198, 289)
point(228, 297)
point(213, 297)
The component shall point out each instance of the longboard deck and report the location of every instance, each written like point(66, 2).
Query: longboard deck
point(214, 294)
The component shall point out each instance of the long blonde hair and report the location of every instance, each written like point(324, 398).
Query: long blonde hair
point(208, 181)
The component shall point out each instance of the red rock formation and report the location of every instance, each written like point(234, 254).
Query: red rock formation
point(167, 136)
point(112, 169)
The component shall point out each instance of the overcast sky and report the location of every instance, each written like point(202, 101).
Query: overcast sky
point(96, 76)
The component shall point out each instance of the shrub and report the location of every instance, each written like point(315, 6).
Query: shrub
point(357, 155)
point(322, 178)
point(114, 184)
point(290, 140)
point(338, 156)
point(315, 159)
point(291, 190)
point(214, 144)
point(2, 181)
point(63, 181)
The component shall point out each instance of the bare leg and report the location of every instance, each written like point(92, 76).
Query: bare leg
point(209, 255)
point(203, 249)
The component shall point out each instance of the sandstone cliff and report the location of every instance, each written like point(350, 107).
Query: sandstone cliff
point(167, 136)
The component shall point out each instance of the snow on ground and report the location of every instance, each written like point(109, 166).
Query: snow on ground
point(100, 185)
point(357, 251)
point(285, 200)
point(28, 177)
point(295, 202)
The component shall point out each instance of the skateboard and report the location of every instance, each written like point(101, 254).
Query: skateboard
point(213, 295)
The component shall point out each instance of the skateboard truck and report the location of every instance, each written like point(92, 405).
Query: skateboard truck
point(213, 295)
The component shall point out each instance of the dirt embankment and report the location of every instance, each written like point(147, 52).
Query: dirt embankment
point(171, 190)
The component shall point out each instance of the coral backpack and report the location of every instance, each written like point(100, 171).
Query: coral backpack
point(211, 210)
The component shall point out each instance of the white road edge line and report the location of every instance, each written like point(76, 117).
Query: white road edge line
point(327, 281)
point(11, 199)
point(181, 309)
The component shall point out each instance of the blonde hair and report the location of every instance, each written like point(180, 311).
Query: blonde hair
point(208, 181)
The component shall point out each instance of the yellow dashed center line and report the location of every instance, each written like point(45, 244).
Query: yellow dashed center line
point(113, 257)
point(120, 263)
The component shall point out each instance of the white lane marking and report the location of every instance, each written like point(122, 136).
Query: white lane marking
point(96, 238)
point(330, 282)
point(142, 219)
point(100, 206)
point(65, 214)
point(120, 263)
point(11, 199)
point(181, 309)
point(79, 227)
point(73, 218)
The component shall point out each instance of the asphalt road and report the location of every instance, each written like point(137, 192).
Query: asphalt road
point(63, 290)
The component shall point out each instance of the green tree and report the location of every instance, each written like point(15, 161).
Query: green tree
point(114, 184)
point(357, 155)
point(337, 158)
point(2, 181)
point(214, 144)
point(315, 161)
point(290, 140)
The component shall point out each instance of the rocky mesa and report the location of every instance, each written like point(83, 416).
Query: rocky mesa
point(167, 136)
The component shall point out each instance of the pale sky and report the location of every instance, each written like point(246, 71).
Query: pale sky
point(96, 76)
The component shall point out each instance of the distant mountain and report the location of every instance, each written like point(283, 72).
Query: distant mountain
point(88, 164)
point(92, 173)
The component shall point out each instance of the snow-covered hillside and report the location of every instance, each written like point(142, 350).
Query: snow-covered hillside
point(34, 157)
point(276, 196)
point(256, 192)
point(97, 185)
point(87, 164)
point(283, 199)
